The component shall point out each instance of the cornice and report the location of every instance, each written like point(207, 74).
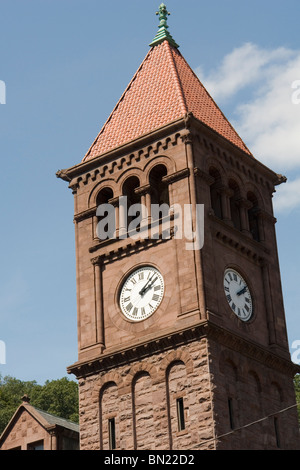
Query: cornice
point(151, 142)
point(238, 241)
point(204, 329)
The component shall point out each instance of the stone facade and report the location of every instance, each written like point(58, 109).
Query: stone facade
point(142, 398)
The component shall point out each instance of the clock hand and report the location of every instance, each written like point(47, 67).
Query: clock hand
point(242, 291)
point(142, 291)
point(150, 286)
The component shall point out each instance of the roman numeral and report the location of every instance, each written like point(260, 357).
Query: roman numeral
point(141, 276)
point(233, 306)
point(129, 307)
point(246, 308)
point(135, 311)
point(229, 298)
point(133, 281)
point(227, 289)
point(157, 288)
point(235, 277)
point(155, 297)
point(127, 299)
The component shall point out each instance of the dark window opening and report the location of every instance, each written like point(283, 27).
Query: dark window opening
point(112, 433)
point(253, 217)
point(36, 446)
point(215, 193)
point(103, 197)
point(159, 188)
point(230, 410)
point(276, 432)
point(180, 414)
point(129, 187)
point(235, 205)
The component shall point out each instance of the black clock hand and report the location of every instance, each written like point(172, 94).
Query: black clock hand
point(242, 291)
point(142, 291)
point(150, 285)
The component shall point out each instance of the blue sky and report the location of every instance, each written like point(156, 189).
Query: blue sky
point(65, 63)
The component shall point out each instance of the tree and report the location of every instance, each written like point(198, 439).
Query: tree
point(58, 397)
point(297, 392)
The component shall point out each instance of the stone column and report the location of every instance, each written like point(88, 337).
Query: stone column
point(98, 263)
point(268, 301)
point(115, 203)
point(144, 193)
point(197, 253)
point(244, 205)
point(226, 194)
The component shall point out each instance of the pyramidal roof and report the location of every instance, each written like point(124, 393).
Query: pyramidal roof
point(164, 89)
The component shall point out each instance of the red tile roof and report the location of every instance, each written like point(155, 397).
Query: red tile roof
point(163, 89)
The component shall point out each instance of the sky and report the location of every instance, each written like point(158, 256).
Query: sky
point(63, 66)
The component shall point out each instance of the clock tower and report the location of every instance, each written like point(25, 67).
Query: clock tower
point(182, 340)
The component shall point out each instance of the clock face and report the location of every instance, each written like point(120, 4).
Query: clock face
point(141, 293)
point(238, 294)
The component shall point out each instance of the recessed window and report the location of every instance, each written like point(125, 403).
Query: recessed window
point(36, 446)
point(215, 193)
point(235, 205)
point(230, 411)
point(253, 217)
point(112, 433)
point(180, 414)
point(159, 189)
point(276, 432)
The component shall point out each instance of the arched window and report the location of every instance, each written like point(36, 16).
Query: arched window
point(234, 204)
point(143, 414)
point(109, 417)
point(129, 187)
point(253, 216)
point(159, 189)
point(178, 402)
point(215, 193)
point(103, 197)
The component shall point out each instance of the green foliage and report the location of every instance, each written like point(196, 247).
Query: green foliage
point(297, 392)
point(59, 397)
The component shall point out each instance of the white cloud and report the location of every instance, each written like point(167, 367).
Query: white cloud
point(288, 196)
point(267, 120)
point(244, 66)
point(267, 110)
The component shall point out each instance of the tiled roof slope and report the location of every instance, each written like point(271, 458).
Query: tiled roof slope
point(163, 90)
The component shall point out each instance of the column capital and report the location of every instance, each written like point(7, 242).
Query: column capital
point(98, 260)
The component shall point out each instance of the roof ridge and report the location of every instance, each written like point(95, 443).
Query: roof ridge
point(177, 79)
point(176, 51)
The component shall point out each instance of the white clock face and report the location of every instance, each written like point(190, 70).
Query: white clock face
point(141, 293)
point(238, 295)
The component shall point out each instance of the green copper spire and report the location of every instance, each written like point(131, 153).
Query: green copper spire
point(163, 32)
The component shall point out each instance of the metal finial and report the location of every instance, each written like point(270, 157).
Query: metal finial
point(163, 33)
